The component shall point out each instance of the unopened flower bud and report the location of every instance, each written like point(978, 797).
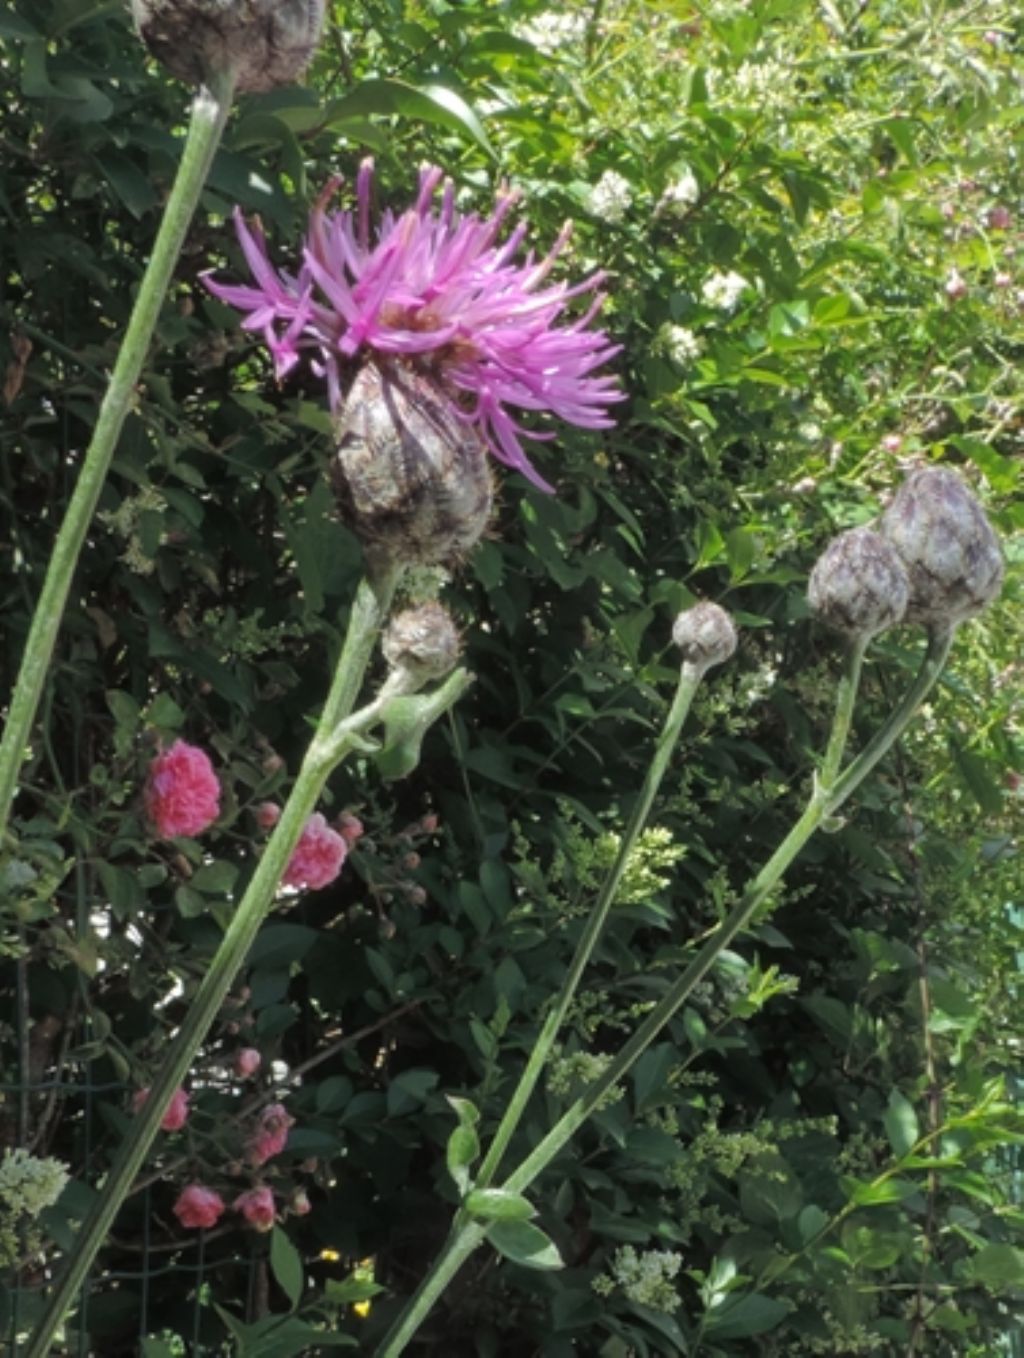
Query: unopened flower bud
point(264, 42)
point(705, 634)
point(300, 1203)
point(950, 551)
point(859, 584)
point(429, 823)
point(247, 1062)
point(267, 815)
point(411, 475)
point(350, 827)
point(423, 641)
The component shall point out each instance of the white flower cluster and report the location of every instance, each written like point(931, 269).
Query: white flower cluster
point(723, 290)
point(681, 345)
point(611, 196)
point(682, 192)
point(549, 32)
point(765, 82)
point(28, 1184)
point(647, 1278)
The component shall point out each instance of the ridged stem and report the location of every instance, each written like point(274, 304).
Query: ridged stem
point(826, 798)
point(210, 109)
point(689, 681)
point(325, 752)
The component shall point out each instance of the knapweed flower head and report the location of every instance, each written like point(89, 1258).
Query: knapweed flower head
point(182, 792)
point(434, 289)
point(950, 550)
point(859, 584)
point(198, 1208)
point(318, 856)
point(270, 1136)
point(177, 1110)
point(257, 1206)
point(705, 635)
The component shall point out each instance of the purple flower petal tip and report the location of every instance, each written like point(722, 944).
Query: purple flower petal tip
point(433, 287)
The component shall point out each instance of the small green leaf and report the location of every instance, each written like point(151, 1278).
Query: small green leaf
point(901, 1124)
point(739, 1317)
point(286, 1265)
point(998, 1267)
point(524, 1243)
point(498, 1204)
point(462, 1151)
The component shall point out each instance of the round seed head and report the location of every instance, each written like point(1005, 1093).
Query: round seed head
point(411, 476)
point(950, 551)
point(859, 584)
point(422, 640)
point(705, 634)
point(265, 42)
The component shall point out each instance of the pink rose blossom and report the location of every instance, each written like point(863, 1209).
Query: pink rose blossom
point(270, 1136)
point(182, 792)
point(198, 1207)
point(318, 856)
point(177, 1110)
point(247, 1062)
point(435, 289)
point(267, 815)
point(257, 1206)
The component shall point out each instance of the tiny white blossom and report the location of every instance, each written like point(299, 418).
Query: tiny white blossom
point(682, 192)
point(723, 290)
point(611, 196)
point(28, 1183)
point(681, 345)
point(549, 32)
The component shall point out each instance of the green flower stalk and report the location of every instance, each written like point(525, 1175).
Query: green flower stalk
point(336, 735)
point(210, 109)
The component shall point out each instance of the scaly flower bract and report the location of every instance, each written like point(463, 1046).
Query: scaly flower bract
point(435, 288)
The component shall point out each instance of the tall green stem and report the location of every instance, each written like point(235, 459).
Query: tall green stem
point(369, 611)
point(689, 681)
point(830, 791)
point(210, 110)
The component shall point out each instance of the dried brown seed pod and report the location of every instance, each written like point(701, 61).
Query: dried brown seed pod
point(265, 42)
point(422, 640)
point(412, 477)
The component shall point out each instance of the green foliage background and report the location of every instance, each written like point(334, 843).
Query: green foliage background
point(848, 159)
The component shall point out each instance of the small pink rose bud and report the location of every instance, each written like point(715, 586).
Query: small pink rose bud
point(198, 1208)
point(177, 1110)
point(955, 286)
point(300, 1203)
point(310, 1166)
point(267, 815)
point(429, 824)
point(350, 827)
point(247, 1062)
point(270, 1136)
point(257, 1206)
point(892, 443)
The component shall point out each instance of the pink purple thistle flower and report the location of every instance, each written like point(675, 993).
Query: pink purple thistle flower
point(434, 287)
